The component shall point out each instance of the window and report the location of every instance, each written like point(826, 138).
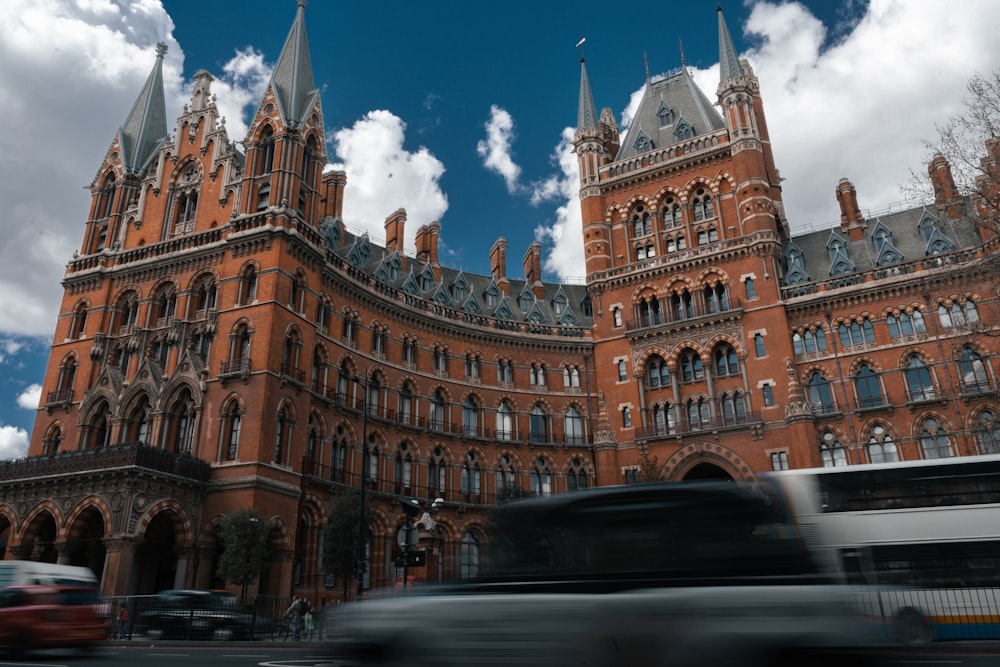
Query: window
point(471, 482)
point(616, 313)
point(933, 440)
point(469, 557)
point(576, 476)
point(78, 327)
point(691, 366)
point(571, 377)
point(266, 151)
point(313, 439)
point(573, 426)
point(372, 460)
point(725, 360)
point(437, 411)
point(248, 286)
point(831, 452)
point(682, 305)
point(820, 395)
point(988, 433)
point(663, 419)
point(622, 374)
point(470, 418)
point(437, 473)
point(751, 291)
point(869, 390)
point(974, 377)
point(204, 296)
point(378, 343)
point(881, 448)
point(505, 371)
point(734, 408)
point(716, 298)
point(768, 391)
point(697, 414)
point(440, 361)
point(282, 435)
point(506, 478)
point(406, 401)
point(779, 460)
point(919, 384)
point(541, 478)
point(409, 352)
point(505, 421)
point(182, 423)
point(539, 424)
point(403, 469)
point(232, 431)
point(958, 314)
point(471, 367)
point(758, 345)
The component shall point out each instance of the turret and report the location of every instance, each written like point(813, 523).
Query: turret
point(852, 223)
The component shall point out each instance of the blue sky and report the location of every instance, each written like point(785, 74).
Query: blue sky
point(457, 111)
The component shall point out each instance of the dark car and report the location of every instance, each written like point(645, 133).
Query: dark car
point(198, 614)
point(35, 617)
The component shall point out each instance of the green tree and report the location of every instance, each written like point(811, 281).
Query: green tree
point(245, 537)
point(340, 538)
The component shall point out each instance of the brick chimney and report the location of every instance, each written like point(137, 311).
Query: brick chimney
point(395, 225)
point(946, 196)
point(333, 193)
point(852, 223)
point(498, 265)
point(533, 269)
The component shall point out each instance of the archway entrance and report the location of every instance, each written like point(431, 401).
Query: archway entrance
point(156, 557)
point(85, 545)
point(39, 541)
point(707, 471)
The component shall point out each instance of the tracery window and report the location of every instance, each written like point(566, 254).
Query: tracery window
point(471, 477)
point(538, 424)
point(988, 432)
point(576, 476)
point(831, 453)
point(657, 372)
point(726, 361)
point(934, 440)
point(881, 447)
point(820, 395)
point(920, 385)
point(470, 417)
point(504, 421)
point(869, 389)
point(541, 478)
point(975, 379)
point(573, 426)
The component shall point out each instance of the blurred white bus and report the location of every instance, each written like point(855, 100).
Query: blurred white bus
point(31, 573)
point(921, 537)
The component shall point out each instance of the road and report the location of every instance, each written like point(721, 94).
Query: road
point(171, 654)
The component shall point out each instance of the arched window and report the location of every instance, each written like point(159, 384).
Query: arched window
point(726, 361)
point(282, 435)
point(406, 401)
point(182, 418)
point(831, 452)
point(65, 382)
point(820, 395)
point(79, 325)
point(139, 422)
point(469, 568)
point(319, 366)
point(205, 295)
point(53, 440)
point(314, 440)
point(403, 469)
point(663, 419)
point(248, 286)
point(988, 432)
point(571, 377)
point(266, 151)
point(437, 473)
point(881, 448)
point(541, 478)
point(231, 431)
point(869, 389)
point(657, 372)
point(975, 379)
point(616, 313)
point(536, 375)
point(573, 426)
point(471, 477)
point(798, 345)
point(698, 414)
point(576, 476)
point(106, 198)
point(437, 411)
point(716, 298)
point(505, 421)
point(338, 455)
point(373, 455)
point(470, 418)
point(539, 424)
point(691, 366)
point(100, 427)
point(506, 478)
point(934, 440)
point(920, 386)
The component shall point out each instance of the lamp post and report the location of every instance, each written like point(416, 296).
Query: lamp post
point(361, 565)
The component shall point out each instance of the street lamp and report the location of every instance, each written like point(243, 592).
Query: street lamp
point(361, 565)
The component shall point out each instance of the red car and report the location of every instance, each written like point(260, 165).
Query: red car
point(33, 617)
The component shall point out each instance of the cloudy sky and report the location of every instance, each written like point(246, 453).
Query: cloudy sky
point(456, 111)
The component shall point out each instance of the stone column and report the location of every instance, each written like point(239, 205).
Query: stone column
point(184, 554)
point(62, 552)
point(118, 561)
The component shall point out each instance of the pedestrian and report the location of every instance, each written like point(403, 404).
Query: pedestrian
point(123, 622)
point(308, 622)
point(294, 614)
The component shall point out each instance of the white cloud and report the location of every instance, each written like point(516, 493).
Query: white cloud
point(566, 258)
point(8, 347)
point(383, 176)
point(30, 397)
point(13, 442)
point(496, 148)
point(860, 109)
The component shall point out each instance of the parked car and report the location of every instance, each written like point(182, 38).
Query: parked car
point(663, 574)
point(34, 617)
point(199, 614)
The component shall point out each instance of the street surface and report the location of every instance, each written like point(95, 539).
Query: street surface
point(171, 654)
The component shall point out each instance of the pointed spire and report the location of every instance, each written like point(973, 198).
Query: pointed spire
point(729, 62)
point(145, 129)
point(292, 78)
point(587, 114)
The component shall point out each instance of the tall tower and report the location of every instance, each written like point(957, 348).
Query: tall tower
point(683, 224)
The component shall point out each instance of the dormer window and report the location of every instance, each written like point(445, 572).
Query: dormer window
point(665, 114)
point(642, 143)
point(684, 130)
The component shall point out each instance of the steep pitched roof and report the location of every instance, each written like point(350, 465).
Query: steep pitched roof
point(292, 78)
point(145, 129)
point(587, 113)
point(729, 62)
point(678, 92)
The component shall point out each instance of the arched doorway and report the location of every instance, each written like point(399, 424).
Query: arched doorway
point(85, 542)
point(39, 540)
point(707, 471)
point(156, 556)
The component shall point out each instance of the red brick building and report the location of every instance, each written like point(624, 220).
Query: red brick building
point(225, 342)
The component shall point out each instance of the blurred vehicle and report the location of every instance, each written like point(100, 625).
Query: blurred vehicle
point(34, 617)
point(198, 614)
point(664, 574)
point(918, 539)
point(30, 573)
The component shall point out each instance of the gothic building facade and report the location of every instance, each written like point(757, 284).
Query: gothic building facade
point(225, 342)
